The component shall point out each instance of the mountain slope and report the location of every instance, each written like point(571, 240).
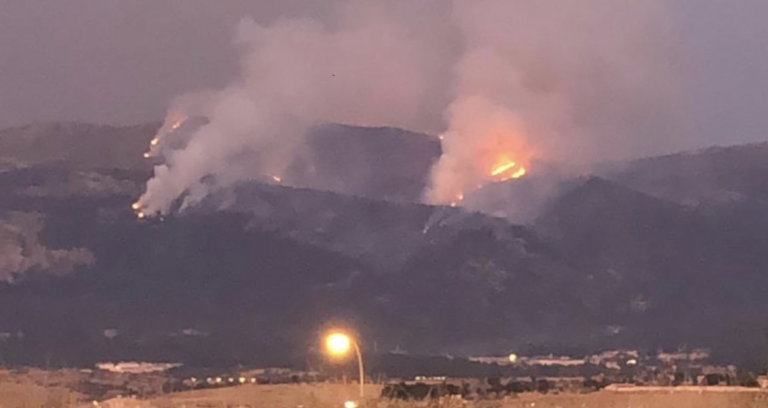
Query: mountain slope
point(717, 175)
point(668, 273)
point(76, 146)
point(254, 271)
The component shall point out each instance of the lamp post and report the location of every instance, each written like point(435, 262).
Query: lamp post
point(339, 344)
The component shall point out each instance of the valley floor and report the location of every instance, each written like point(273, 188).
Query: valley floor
point(334, 395)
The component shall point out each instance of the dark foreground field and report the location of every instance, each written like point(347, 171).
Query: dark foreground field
point(333, 395)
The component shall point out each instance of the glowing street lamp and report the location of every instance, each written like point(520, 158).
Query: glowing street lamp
point(339, 344)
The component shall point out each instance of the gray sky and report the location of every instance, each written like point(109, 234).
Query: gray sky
point(120, 61)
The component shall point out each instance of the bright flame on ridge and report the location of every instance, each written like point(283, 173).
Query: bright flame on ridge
point(506, 169)
point(502, 168)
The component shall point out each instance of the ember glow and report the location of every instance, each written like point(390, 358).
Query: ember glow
point(507, 170)
point(172, 123)
point(485, 143)
point(138, 209)
point(459, 198)
point(503, 168)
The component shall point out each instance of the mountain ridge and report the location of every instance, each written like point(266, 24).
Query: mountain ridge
point(605, 264)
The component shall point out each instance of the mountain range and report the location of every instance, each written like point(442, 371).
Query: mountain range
point(659, 253)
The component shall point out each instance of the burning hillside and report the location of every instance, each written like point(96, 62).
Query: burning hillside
point(503, 91)
point(486, 143)
point(391, 262)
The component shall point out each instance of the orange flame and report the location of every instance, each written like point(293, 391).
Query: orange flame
point(459, 198)
point(166, 129)
point(506, 169)
point(500, 169)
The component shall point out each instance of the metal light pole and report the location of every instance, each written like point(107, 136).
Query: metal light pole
point(339, 344)
point(361, 370)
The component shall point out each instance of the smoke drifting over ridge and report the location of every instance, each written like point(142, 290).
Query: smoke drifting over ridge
point(502, 81)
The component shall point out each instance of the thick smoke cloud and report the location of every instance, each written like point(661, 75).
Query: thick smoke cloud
point(370, 67)
point(525, 81)
point(566, 82)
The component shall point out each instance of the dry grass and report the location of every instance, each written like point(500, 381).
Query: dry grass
point(28, 395)
point(333, 395)
point(306, 395)
point(609, 399)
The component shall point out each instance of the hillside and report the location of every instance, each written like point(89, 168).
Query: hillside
point(713, 176)
point(252, 273)
point(659, 267)
point(76, 145)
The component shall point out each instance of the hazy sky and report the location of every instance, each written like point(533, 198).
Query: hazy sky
point(120, 61)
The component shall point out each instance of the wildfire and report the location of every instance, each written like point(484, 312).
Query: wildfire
point(500, 169)
point(506, 169)
point(277, 179)
point(519, 173)
point(168, 127)
point(138, 208)
point(459, 198)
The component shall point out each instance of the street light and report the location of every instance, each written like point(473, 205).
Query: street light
point(339, 344)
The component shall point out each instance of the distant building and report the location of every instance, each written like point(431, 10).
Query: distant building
point(398, 351)
point(134, 367)
point(491, 360)
point(552, 361)
point(697, 355)
point(430, 379)
point(279, 375)
point(612, 359)
point(615, 359)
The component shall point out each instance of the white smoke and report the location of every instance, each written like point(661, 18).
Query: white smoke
point(569, 82)
point(22, 252)
point(535, 80)
point(370, 67)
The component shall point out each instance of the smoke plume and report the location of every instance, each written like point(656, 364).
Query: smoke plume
point(21, 250)
point(506, 83)
point(565, 82)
